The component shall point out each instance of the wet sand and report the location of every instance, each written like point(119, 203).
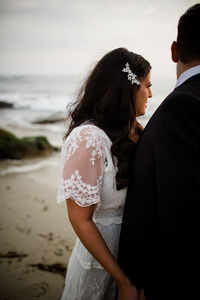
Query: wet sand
point(36, 237)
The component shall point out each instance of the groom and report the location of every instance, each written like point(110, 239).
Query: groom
point(160, 236)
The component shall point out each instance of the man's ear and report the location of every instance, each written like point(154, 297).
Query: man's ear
point(174, 52)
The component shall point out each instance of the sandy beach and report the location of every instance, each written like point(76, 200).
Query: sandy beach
point(35, 234)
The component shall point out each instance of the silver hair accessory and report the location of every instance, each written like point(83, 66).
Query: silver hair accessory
point(131, 75)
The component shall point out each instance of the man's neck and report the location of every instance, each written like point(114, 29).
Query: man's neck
point(181, 67)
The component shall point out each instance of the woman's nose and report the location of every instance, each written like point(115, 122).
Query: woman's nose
point(150, 93)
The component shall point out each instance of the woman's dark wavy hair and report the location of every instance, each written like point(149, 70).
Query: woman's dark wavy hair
point(107, 99)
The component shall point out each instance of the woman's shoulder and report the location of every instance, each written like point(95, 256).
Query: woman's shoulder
point(89, 132)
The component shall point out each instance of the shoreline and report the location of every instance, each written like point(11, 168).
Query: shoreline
point(36, 235)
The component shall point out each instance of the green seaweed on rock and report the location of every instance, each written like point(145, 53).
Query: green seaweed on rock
point(12, 147)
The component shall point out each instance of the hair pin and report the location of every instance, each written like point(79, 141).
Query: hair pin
point(131, 75)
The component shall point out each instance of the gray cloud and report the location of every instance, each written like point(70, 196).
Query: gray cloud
point(58, 36)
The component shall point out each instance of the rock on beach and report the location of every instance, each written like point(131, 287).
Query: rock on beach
point(12, 147)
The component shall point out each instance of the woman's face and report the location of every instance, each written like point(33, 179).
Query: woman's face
point(142, 95)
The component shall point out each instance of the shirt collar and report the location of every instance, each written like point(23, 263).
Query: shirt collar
point(187, 74)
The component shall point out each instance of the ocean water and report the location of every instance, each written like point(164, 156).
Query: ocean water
point(36, 98)
point(39, 98)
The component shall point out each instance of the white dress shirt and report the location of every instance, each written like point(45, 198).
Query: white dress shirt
point(187, 74)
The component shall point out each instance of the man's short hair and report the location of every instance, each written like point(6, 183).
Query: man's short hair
point(188, 39)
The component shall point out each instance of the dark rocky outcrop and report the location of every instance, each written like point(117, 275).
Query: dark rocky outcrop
point(4, 104)
point(16, 148)
point(49, 121)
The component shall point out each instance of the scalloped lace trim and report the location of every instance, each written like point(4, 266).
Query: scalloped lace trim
point(82, 193)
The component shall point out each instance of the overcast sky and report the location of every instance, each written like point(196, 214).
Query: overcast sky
point(68, 36)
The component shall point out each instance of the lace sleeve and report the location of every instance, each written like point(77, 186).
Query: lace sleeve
point(83, 167)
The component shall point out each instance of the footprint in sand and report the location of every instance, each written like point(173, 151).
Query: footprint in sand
point(24, 230)
point(45, 208)
point(58, 252)
point(41, 289)
point(48, 236)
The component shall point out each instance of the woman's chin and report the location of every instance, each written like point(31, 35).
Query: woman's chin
point(141, 114)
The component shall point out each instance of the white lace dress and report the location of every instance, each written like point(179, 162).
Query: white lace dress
point(87, 175)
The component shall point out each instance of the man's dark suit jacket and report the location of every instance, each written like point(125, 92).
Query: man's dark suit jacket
point(160, 237)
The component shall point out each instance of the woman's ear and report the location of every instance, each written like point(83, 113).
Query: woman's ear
point(174, 52)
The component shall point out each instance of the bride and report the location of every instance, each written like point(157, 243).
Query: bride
point(95, 160)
